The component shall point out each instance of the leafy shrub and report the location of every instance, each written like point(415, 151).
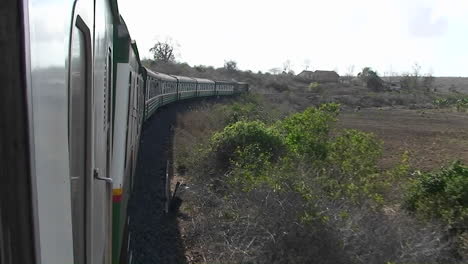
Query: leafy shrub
point(461, 103)
point(306, 133)
point(254, 137)
point(250, 167)
point(355, 154)
point(305, 196)
point(442, 194)
point(240, 112)
point(314, 87)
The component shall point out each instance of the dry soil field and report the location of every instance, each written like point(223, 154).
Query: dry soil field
point(432, 137)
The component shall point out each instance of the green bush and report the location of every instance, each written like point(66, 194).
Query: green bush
point(355, 154)
point(442, 194)
point(252, 136)
point(314, 87)
point(240, 112)
point(251, 165)
point(306, 133)
point(461, 103)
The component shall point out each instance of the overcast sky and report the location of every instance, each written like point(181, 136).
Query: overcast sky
point(388, 35)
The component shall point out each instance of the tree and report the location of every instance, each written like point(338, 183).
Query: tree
point(416, 70)
point(428, 81)
point(371, 78)
point(164, 51)
point(412, 80)
point(286, 66)
point(230, 65)
point(366, 73)
point(350, 71)
point(306, 64)
point(275, 71)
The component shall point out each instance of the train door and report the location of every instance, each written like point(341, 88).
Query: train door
point(102, 183)
point(80, 91)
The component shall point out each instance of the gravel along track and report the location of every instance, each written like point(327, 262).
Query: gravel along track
point(154, 235)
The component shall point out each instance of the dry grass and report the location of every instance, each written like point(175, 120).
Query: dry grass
point(222, 225)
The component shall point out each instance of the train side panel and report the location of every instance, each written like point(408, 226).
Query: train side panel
point(49, 78)
point(101, 207)
point(120, 186)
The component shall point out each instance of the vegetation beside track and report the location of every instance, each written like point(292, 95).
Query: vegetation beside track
point(269, 179)
point(262, 185)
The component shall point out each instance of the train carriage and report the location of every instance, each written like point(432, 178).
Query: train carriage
point(205, 87)
point(66, 78)
point(186, 87)
point(157, 85)
point(224, 87)
point(241, 87)
point(128, 117)
point(79, 99)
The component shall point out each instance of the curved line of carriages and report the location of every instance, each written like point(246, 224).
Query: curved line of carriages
point(159, 89)
point(139, 92)
point(163, 89)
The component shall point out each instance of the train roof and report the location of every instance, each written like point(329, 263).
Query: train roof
point(137, 53)
point(183, 78)
point(160, 76)
point(226, 82)
point(202, 80)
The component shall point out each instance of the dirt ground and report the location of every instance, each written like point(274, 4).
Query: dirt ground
point(433, 137)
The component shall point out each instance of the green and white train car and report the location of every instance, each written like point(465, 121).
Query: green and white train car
point(205, 87)
point(74, 104)
point(128, 115)
point(157, 86)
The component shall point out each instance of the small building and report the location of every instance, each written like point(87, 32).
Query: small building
point(319, 76)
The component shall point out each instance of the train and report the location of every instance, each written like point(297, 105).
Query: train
point(74, 98)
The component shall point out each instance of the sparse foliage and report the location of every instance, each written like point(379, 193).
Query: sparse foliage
point(275, 71)
point(314, 87)
point(230, 65)
point(416, 70)
point(164, 51)
point(287, 67)
point(306, 64)
point(428, 81)
point(350, 71)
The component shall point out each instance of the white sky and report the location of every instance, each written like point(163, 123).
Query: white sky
point(388, 35)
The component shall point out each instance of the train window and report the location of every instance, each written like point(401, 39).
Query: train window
point(130, 80)
point(78, 129)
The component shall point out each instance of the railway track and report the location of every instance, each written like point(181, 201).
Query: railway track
point(154, 235)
